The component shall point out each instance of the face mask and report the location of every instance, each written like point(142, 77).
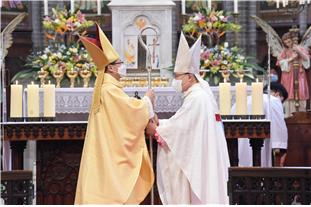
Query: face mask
point(177, 85)
point(122, 70)
point(274, 78)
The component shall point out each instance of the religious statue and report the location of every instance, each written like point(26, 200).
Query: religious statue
point(293, 59)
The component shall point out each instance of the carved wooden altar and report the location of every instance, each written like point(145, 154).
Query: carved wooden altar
point(59, 147)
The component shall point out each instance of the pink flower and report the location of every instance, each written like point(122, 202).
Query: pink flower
point(225, 19)
point(80, 17)
point(205, 55)
point(213, 18)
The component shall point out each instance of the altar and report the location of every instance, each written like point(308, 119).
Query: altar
point(58, 144)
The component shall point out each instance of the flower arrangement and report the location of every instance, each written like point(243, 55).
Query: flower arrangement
point(61, 57)
point(62, 22)
point(210, 23)
point(223, 57)
point(64, 54)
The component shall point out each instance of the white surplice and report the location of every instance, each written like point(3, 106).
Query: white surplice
point(192, 165)
point(278, 133)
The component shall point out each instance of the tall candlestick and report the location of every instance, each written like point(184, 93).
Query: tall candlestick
point(16, 110)
point(225, 98)
point(49, 100)
point(235, 7)
point(277, 4)
point(46, 7)
point(72, 6)
point(99, 7)
point(241, 98)
point(33, 100)
point(183, 7)
point(209, 4)
point(257, 98)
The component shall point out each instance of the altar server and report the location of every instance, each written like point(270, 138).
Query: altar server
point(115, 166)
point(192, 160)
point(277, 143)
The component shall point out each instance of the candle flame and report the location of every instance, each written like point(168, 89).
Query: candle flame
point(49, 82)
point(32, 82)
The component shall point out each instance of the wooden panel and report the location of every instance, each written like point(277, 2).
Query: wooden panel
point(270, 186)
point(299, 139)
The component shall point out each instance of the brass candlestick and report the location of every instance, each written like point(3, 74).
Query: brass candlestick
point(225, 74)
point(240, 74)
point(85, 74)
point(58, 75)
point(42, 75)
point(72, 74)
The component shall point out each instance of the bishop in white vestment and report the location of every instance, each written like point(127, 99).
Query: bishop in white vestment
point(192, 160)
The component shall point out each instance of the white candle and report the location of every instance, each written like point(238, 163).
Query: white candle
point(16, 100)
point(257, 98)
point(49, 100)
point(209, 4)
point(33, 100)
point(46, 7)
point(241, 98)
point(277, 4)
point(301, 2)
point(72, 6)
point(99, 8)
point(308, 1)
point(235, 7)
point(183, 7)
point(284, 3)
point(225, 98)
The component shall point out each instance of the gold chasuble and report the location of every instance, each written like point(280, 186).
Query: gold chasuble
point(115, 166)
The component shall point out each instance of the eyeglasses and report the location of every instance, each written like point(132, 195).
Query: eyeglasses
point(117, 63)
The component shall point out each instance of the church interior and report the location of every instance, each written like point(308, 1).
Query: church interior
point(48, 78)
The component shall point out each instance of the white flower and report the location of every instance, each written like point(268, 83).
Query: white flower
point(57, 21)
point(221, 17)
point(226, 44)
point(196, 18)
point(44, 57)
point(59, 55)
point(225, 62)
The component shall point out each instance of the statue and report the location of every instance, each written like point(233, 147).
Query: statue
point(293, 59)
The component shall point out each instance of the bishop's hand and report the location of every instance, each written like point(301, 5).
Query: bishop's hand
point(151, 128)
point(150, 95)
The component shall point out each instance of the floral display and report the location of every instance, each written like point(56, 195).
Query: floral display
point(62, 22)
point(61, 57)
point(210, 23)
point(223, 57)
point(64, 54)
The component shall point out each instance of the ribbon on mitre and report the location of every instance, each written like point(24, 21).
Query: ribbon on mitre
point(217, 117)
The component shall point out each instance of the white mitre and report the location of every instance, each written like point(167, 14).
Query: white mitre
point(188, 61)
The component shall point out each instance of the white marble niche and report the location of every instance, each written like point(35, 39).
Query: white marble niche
point(128, 17)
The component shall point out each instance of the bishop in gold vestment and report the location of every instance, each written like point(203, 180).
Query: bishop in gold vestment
point(115, 166)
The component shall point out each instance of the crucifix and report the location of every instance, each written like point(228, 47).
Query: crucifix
point(154, 45)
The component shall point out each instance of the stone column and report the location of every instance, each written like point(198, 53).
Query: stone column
point(303, 21)
point(228, 6)
point(252, 32)
point(36, 18)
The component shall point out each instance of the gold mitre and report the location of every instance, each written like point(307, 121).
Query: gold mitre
point(102, 53)
point(100, 49)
